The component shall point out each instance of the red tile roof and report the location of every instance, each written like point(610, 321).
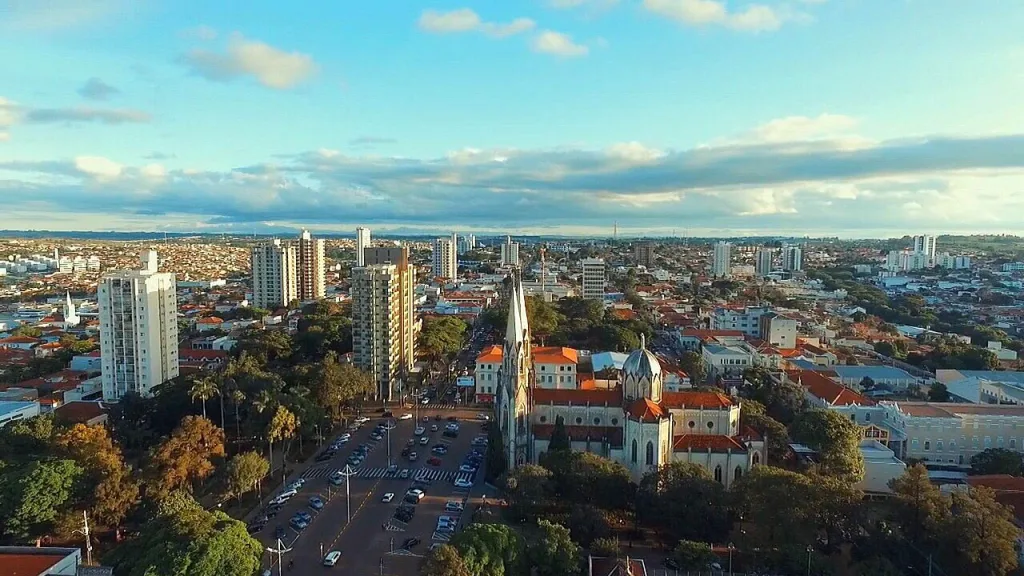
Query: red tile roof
point(645, 410)
point(715, 400)
point(80, 412)
point(210, 320)
point(828, 390)
point(187, 354)
point(555, 355)
point(27, 564)
point(613, 434)
point(998, 482)
point(615, 567)
point(577, 397)
point(623, 314)
point(492, 354)
point(19, 340)
point(707, 442)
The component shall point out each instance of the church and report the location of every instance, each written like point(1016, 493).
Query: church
point(637, 422)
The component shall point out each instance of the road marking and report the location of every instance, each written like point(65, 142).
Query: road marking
point(355, 512)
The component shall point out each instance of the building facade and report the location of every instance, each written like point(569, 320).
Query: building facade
point(379, 344)
point(593, 280)
point(925, 244)
point(721, 260)
point(407, 324)
point(310, 281)
point(763, 261)
point(643, 252)
point(444, 260)
point(510, 252)
point(792, 259)
point(362, 243)
point(138, 313)
point(274, 280)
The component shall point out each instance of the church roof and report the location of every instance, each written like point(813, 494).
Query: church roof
point(518, 329)
point(693, 399)
point(577, 397)
point(707, 443)
point(646, 410)
point(641, 363)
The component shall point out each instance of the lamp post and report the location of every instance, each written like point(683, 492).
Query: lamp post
point(731, 548)
point(347, 472)
point(280, 551)
point(319, 437)
point(389, 427)
point(809, 550)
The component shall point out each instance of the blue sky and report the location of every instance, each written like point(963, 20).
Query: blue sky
point(850, 117)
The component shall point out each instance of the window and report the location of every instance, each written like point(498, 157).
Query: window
point(543, 419)
point(691, 424)
point(634, 452)
point(615, 421)
point(938, 445)
point(710, 425)
point(718, 473)
point(867, 416)
point(1013, 443)
point(650, 453)
point(597, 421)
point(737, 474)
point(853, 417)
point(927, 445)
point(988, 442)
point(757, 458)
point(579, 420)
point(999, 442)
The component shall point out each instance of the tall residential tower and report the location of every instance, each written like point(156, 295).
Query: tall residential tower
point(444, 259)
point(362, 243)
point(273, 274)
point(721, 260)
point(310, 281)
point(593, 278)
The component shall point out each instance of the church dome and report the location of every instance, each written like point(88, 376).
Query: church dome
point(641, 364)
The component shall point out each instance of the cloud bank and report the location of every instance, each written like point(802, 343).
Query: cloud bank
point(269, 66)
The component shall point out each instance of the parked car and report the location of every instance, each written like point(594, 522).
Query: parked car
point(337, 479)
point(417, 493)
point(424, 441)
point(406, 416)
point(361, 420)
point(298, 523)
point(332, 558)
point(434, 461)
point(326, 455)
point(419, 431)
point(413, 456)
point(463, 483)
point(280, 533)
point(452, 506)
point(410, 542)
point(316, 503)
point(466, 468)
point(388, 497)
point(392, 469)
point(304, 515)
point(433, 427)
point(404, 473)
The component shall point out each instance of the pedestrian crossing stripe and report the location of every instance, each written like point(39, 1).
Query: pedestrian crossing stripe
point(391, 527)
point(402, 552)
point(441, 537)
point(432, 474)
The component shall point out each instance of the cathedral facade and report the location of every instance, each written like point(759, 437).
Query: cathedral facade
point(637, 423)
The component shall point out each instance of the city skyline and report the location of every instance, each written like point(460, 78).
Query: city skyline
point(719, 118)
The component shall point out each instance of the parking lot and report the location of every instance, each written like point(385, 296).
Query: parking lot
point(378, 529)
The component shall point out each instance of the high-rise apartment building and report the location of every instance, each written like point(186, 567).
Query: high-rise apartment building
point(644, 253)
point(510, 252)
point(721, 260)
point(444, 260)
point(763, 261)
point(792, 259)
point(466, 243)
point(925, 244)
point(274, 280)
point(138, 312)
point(310, 276)
point(593, 278)
point(362, 243)
point(383, 319)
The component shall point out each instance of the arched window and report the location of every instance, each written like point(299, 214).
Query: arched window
point(718, 473)
point(757, 458)
point(650, 453)
point(634, 452)
point(737, 474)
point(597, 421)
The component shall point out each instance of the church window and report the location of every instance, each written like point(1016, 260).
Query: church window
point(579, 420)
point(736, 475)
point(634, 452)
point(691, 424)
point(718, 473)
point(757, 458)
point(650, 453)
point(710, 425)
point(597, 421)
point(615, 421)
point(543, 419)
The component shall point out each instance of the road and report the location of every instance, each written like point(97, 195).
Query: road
point(365, 544)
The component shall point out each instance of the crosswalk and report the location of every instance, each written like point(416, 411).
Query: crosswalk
point(374, 473)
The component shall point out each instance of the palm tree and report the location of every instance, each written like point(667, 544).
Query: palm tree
point(280, 427)
point(203, 389)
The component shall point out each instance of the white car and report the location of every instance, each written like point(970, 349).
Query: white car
point(332, 558)
point(419, 431)
point(345, 436)
point(425, 401)
point(388, 497)
point(405, 416)
point(463, 483)
point(361, 420)
point(416, 493)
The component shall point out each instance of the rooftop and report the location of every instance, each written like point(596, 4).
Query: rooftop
point(873, 372)
point(706, 443)
point(578, 397)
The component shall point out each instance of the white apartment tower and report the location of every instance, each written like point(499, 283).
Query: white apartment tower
point(792, 259)
point(925, 244)
point(383, 329)
point(138, 329)
point(593, 278)
point(466, 243)
point(309, 263)
point(444, 260)
point(721, 260)
point(362, 243)
point(510, 252)
point(763, 261)
point(273, 274)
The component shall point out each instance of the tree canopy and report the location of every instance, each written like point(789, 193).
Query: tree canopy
point(837, 441)
point(998, 461)
point(491, 550)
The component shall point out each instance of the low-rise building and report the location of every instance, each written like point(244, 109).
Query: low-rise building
point(14, 411)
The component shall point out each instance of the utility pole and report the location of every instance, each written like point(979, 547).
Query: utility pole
point(88, 540)
point(389, 427)
point(347, 472)
point(280, 551)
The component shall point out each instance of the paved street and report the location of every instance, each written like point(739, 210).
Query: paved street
point(367, 543)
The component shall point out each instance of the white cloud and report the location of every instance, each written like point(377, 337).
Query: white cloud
point(566, 4)
point(98, 167)
point(271, 67)
point(154, 171)
point(551, 42)
point(752, 18)
point(466, 20)
point(802, 128)
point(8, 113)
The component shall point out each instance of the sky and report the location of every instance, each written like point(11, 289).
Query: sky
point(852, 118)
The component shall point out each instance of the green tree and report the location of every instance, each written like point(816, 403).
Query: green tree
point(938, 392)
point(445, 561)
point(783, 401)
point(837, 441)
point(587, 523)
point(917, 505)
point(775, 434)
point(202, 390)
point(605, 548)
point(496, 460)
point(114, 490)
point(757, 497)
point(559, 438)
point(441, 338)
point(281, 427)
point(542, 317)
point(244, 471)
point(526, 489)
point(683, 502)
point(982, 533)
point(491, 550)
point(187, 456)
point(586, 478)
point(693, 555)
point(186, 539)
point(32, 496)
point(338, 385)
point(997, 461)
point(693, 365)
point(26, 438)
point(553, 552)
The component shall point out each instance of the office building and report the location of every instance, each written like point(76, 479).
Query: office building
point(925, 244)
point(792, 259)
point(763, 261)
point(593, 278)
point(510, 252)
point(309, 264)
point(379, 340)
point(444, 260)
point(644, 254)
point(467, 243)
point(721, 260)
point(273, 274)
point(362, 243)
point(138, 312)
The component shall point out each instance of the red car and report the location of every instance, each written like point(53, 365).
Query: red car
point(434, 461)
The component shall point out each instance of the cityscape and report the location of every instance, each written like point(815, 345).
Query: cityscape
point(552, 288)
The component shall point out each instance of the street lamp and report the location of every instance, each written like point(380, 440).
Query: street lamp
point(389, 427)
point(319, 437)
point(809, 550)
point(280, 551)
point(731, 548)
point(347, 472)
